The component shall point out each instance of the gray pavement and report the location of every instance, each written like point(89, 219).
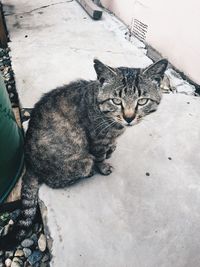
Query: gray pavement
point(129, 219)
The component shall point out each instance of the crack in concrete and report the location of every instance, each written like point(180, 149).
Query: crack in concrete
point(38, 8)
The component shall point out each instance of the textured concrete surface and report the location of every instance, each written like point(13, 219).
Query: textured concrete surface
point(129, 219)
point(146, 214)
point(54, 42)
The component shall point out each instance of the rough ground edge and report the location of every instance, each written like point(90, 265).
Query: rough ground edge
point(44, 211)
point(154, 55)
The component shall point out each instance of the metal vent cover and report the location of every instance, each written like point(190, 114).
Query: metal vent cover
point(139, 30)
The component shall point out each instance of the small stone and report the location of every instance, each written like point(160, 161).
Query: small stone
point(29, 233)
point(26, 243)
point(5, 217)
point(11, 95)
point(15, 264)
point(44, 264)
point(147, 174)
point(36, 226)
point(19, 253)
point(35, 257)
point(27, 252)
point(6, 229)
point(34, 238)
point(8, 262)
point(9, 254)
point(40, 228)
point(26, 114)
point(46, 257)
point(17, 261)
point(11, 222)
point(26, 264)
point(1, 253)
point(42, 243)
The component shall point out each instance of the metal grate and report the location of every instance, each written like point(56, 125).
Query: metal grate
point(139, 30)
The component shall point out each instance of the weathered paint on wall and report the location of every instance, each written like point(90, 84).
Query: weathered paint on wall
point(173, 28)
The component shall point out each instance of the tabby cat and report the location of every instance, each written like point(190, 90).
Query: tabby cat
point(73, 130)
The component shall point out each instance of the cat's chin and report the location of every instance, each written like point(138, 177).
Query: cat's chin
point(120, 126)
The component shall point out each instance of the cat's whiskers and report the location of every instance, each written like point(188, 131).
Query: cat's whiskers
point(107, 127)
point(100, 125)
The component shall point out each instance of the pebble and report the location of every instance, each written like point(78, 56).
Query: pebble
point(27, 252)
point(34, 238)
point(9, 254)
point(11, 95)
point(42, 243)
point(1, 230)
point(44, 264)
point(8, 262)
point(1, 253)
point(19, 253)
point(26, 114)
point(17, 260)
point(6, 229)
point(15, 264)
point(26, 243)
point(46, 257)
point(11, 222)
point(35, 257)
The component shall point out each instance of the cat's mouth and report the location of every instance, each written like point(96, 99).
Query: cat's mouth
point(124, 123)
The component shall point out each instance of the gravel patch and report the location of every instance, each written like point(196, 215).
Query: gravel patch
point(33, 250)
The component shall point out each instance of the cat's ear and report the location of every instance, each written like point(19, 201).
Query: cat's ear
point(104, 72)
point(156, 71)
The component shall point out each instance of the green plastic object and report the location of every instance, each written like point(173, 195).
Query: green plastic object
point(11, 145)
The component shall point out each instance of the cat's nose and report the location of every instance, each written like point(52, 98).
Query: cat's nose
point(129, 115)
point(129, 119)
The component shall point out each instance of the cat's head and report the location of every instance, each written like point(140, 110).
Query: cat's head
point(128, 94)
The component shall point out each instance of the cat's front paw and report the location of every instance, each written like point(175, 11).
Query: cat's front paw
point(104, 168)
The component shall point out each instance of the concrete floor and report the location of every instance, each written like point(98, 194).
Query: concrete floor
point(128, 219)
point(57, 44)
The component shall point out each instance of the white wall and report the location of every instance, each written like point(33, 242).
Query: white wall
point(173, 28)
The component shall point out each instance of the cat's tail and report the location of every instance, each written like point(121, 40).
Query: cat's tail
point(29, 201)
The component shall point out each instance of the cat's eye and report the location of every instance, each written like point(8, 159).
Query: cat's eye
point(116, 101)
point(143, 101)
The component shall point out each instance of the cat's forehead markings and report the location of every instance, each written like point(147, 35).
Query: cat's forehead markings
point(129, 74)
